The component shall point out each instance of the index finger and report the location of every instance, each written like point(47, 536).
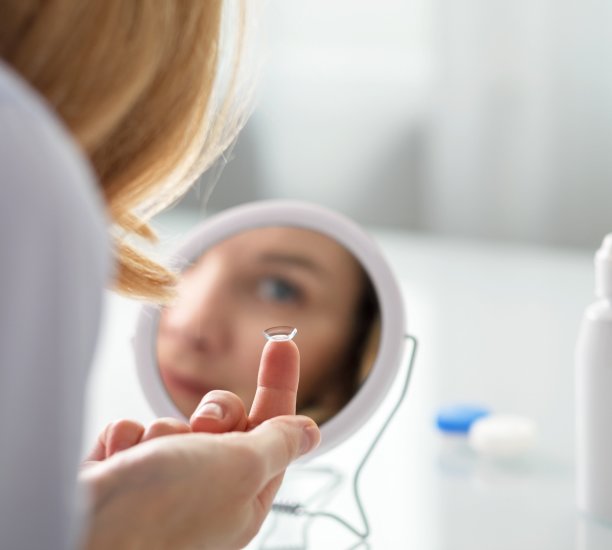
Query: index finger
point(277, 382)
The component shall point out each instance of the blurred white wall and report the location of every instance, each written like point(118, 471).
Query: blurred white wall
point(521, 124)
point(480, 118)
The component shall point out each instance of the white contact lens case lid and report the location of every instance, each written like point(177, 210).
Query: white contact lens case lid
point(502, 435)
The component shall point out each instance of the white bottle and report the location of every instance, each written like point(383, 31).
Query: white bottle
point(594, 395)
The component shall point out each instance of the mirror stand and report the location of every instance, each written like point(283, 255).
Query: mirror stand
point(298, 509)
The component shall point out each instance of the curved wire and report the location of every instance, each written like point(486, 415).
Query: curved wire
point(298, 509)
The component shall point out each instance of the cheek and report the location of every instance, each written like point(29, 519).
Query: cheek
point(246, 360)
point(168, 351)
point(243, 365)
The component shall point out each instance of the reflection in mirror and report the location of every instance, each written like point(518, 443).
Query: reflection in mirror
point(211, 337)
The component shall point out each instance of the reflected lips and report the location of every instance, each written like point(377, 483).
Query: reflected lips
point(184, 385)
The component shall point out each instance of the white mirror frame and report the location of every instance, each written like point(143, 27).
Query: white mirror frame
point(306, 216)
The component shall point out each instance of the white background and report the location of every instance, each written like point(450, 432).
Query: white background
point(489, 119)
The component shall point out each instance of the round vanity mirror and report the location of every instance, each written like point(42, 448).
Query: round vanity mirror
point(276, 264)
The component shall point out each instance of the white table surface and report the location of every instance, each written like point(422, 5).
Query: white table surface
point(497, 325)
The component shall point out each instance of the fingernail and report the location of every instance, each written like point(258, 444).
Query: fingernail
point(310, 439)
point(211, 410)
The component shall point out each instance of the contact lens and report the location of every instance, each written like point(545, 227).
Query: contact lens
point(280, 334)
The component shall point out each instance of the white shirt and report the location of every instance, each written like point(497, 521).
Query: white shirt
point(54, 263)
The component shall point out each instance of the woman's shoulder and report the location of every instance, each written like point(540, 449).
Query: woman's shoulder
point(46, 183)
point(54, 264)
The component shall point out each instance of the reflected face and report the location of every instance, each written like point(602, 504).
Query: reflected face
point(211, 338)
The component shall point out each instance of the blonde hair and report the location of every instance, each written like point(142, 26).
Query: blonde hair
point(136, 83)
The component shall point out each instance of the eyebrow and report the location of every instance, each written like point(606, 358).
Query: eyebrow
point(293, 260)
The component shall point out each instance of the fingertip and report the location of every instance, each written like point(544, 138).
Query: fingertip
point(311, 434)
point(219, 412)
point(277, 382)
point(165, 426)
point(121, 435)
point(285, 438)
point(312, 439)
point(277, 358)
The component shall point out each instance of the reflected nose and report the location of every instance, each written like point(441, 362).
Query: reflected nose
point(200, 317)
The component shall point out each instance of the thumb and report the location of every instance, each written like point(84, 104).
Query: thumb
point(281, 440)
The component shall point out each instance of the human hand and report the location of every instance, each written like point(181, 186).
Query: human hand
point(200, 490)
point(219, 411)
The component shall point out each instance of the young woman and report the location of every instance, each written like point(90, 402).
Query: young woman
point(108, 110)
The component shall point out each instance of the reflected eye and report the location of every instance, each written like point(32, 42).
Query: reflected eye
point(278, 290)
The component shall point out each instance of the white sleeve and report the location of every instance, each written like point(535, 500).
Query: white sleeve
point(54, 263)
